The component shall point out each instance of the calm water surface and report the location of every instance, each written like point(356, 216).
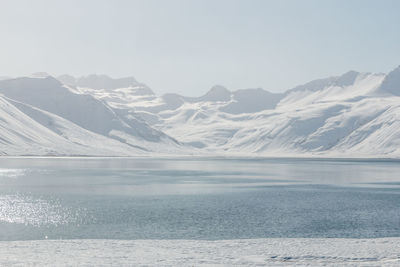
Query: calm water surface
point(137, 198)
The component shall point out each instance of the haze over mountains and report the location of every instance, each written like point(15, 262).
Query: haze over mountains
point(352, 115)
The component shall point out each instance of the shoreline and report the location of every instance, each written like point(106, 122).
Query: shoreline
point(217, 157)
point(265, 251)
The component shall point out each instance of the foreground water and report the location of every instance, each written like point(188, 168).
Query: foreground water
point(197, 198)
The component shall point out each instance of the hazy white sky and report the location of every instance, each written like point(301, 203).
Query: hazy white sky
point(187, 46)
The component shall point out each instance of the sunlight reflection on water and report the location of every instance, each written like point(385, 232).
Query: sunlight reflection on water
point(28, 210)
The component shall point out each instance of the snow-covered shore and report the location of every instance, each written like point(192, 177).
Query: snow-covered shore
point(274, 251)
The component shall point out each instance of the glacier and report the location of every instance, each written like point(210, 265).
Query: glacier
point(350, 115)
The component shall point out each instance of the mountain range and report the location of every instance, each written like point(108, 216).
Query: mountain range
point(351, 115)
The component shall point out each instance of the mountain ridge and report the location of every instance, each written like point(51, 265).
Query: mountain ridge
point(350, 115)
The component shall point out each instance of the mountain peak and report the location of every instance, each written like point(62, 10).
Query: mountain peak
point(217, 93)
point(391, 83)
point(40, 74)
point(347, 78)
point(218, 87)
point(46, 81)
point(343, 80)
point(98, 81)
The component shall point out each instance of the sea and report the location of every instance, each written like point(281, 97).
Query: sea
point(198, 198)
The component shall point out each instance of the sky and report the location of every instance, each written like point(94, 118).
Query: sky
point(187, 46)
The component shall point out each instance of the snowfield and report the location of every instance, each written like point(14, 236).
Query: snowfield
point(351, 115)
point(246, 252)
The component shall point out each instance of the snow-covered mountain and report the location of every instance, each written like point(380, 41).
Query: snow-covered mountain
point(351, 115)
point(71, 122)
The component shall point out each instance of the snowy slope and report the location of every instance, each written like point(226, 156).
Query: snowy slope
point(25, 130)
point(84, 116)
